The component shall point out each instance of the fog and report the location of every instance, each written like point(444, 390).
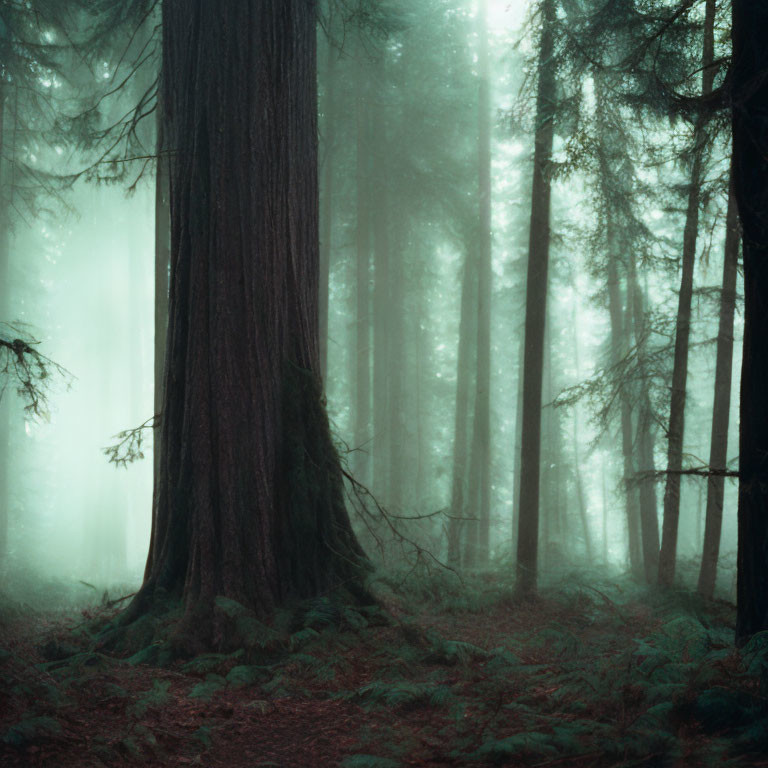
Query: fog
point(400, 103)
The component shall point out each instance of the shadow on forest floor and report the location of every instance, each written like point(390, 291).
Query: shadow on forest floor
point(603, 675)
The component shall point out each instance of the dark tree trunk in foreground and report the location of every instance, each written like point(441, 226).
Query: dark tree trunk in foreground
point(750, 169)
point(668, 554)
point(721, 410)
point(536, 311)
point(249, 502)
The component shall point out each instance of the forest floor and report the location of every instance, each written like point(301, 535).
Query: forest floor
point(594, 673)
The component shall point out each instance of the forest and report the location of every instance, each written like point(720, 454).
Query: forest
point(383, 383)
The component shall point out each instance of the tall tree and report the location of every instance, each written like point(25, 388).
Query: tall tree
point(249, 504)
point(721, 409)
point(363, 288)
point(750, 170)
point(536, 308)
point(478, 542)
point(668, 554)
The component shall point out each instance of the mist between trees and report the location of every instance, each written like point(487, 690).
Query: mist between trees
point(528, 306)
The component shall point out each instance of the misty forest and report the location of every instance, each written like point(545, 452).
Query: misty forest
point(383, 383)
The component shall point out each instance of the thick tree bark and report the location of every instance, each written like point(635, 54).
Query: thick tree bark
point(536, 310)
point(668, 554)
point(750, 169)
point(721, 409)
point(326, 221)
point(465, 358)
point(362, 438)
point(649, 521)
point(249, 499)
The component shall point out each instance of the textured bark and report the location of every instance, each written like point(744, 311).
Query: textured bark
point(326, 207)
point(721, 409)
point(676, 431)
point(465, 358)
point(750, 169)
point(535, 311)
point(649, 521)
point(249, 503)
point(362, 445)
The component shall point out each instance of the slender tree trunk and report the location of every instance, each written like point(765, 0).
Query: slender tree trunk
point(478, 532)
point(482, 422)
point(326, 221)
point(750, 169)
point(363, 290)
point(605, 517)
point(458, 506)
point(619, 348)
point(381, 306)
point(250, 501)
point(536, 310)
point(718, 451)
point(518, 441)
point(397, 364)
point(649, 521)
point(668, 554)
point(583, 516)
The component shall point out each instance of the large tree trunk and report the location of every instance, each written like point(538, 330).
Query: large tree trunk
point(649, 521)
point(536, 310)
point(721, 410)
point(750, 169)
point(249, 500)
point(326, 222)
point(668, 554)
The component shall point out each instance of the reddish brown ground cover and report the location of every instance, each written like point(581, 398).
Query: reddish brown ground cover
point(575, 680)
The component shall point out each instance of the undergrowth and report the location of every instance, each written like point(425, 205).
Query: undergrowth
point(596, 672)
